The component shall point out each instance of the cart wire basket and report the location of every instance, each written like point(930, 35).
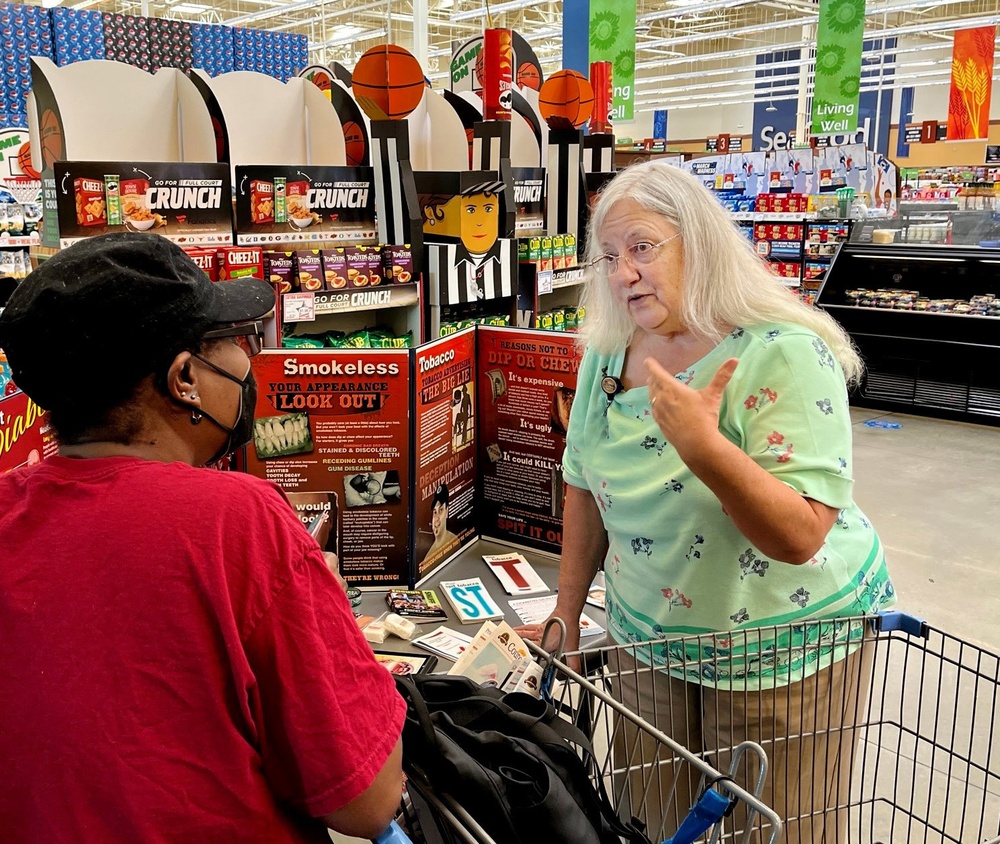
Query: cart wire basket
point(624, 749)
point(901, 746)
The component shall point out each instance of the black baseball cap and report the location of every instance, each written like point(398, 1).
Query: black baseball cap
point(122, 305)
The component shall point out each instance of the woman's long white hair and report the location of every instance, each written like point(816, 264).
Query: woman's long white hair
point(725, 281)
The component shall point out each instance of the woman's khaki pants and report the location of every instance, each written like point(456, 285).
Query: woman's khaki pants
point(809, 731)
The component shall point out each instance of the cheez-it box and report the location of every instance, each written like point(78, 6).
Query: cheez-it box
point(90, 202)
point(207, 259)
point(261, 202)
point(240, 261)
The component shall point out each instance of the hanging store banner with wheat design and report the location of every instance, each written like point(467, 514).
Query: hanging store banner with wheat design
point(838, 66)
point(971, 84)
point(612, 39)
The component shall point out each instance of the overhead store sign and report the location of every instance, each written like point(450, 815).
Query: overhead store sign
point(612, 39)
point(838, 66)
point(971, 84)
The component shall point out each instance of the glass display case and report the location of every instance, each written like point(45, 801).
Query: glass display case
point(921, 223)
point(925, 316)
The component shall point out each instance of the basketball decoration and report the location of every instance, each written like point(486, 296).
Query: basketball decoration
point(354, 144)
point(566, 100)
point(480, 65)
point(320, 76)
point(52, 139)
point(24, 162)
point(387, 82)
point(528, 76)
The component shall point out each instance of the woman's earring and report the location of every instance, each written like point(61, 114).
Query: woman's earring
point(196, 417)
point(183, 394)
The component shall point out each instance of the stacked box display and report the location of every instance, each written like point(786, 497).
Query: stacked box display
point(77, 35)
point(212, 48)
point(126, 39)
point(170, 44)
point(25, 32)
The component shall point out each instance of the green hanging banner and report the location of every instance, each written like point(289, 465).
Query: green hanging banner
point(838, 66)
point(612, 39)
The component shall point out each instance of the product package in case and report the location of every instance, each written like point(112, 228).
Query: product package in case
point(335, 268)
point(279, 269)
point(309, 268)
point(375, 272)
point(240, 262)
point(357, 266)
point(397, 263)
point(207, 259)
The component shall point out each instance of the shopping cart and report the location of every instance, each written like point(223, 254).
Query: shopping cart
point(625, 750)
point(920, 744)
point(915, 759)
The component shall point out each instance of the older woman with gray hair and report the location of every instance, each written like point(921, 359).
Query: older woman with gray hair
point(708, 463)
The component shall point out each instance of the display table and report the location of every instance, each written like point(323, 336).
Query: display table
point(469, 563)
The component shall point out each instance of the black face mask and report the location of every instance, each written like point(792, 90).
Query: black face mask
point(242, 432)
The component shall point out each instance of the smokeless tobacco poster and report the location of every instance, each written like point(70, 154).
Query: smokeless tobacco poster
point(446, 401)
point(526, 385)
point(332, 430)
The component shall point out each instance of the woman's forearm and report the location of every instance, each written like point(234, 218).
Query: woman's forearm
point(584, 543)
point(782, 524)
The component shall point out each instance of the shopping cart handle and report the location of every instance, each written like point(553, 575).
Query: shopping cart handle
point(891, 620)
point(393, 835)
point(708, 811)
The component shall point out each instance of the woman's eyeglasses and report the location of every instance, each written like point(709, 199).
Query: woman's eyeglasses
point(637, 255)
point(249, 336)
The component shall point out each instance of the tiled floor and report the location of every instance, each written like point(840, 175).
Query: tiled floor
point(932, 490)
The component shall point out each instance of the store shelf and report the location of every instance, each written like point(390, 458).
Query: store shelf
point(366, 299)
point(776, 217)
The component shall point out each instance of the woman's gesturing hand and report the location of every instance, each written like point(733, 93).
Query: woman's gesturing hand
point(688, 418)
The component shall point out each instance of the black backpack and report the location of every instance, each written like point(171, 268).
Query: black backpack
point(509, 760)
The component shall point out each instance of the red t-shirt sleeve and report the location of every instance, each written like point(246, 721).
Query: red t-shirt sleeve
point(327, 714)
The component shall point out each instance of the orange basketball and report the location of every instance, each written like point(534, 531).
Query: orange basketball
point(481, 65)
point(528, 76)
point(52, 141)
point(566, 100)
point(24, 162)
point(586, 99)
point(354, 143)
point(387, 82)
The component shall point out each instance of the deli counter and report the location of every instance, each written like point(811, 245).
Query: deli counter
point(920, 296)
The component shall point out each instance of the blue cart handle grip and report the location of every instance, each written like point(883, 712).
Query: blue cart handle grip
point(393, 835)
point(708, 811)
point(890, 620)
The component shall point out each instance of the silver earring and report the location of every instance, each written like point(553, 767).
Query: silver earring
point(196, 417)
point(194, 396)
point(183, 394)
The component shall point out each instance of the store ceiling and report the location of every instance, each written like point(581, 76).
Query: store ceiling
point(686, 49)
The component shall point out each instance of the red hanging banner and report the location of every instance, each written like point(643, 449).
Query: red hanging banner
point(971, 84)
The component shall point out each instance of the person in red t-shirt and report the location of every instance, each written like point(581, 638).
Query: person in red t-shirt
point(179, 662)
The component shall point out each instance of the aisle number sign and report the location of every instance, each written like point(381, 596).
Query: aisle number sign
point(838, 66)
point(612, 39)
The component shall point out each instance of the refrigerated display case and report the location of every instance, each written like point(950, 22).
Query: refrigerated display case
point(925, 316)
